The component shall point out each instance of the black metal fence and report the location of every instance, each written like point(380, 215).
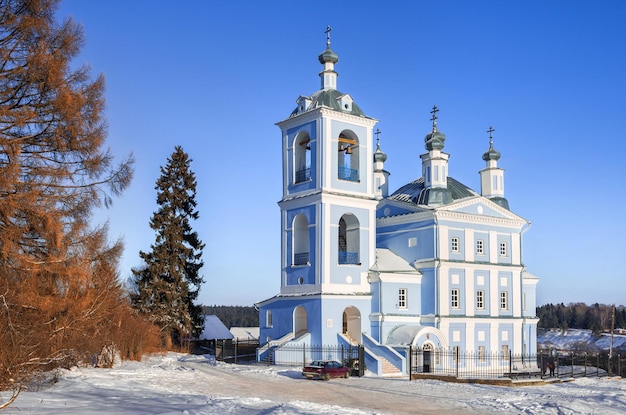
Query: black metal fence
point(301, 355)
point(545, 364)
point(469, 364)
point(454, 362)
point(578, 363)
point(233, 351)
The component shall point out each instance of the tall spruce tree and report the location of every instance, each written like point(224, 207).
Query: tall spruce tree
point(169, 283)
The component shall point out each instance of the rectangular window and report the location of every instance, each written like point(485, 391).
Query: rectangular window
point(523, 301)
point(480, 247)
point(505, 352)
point(268, 318)
point(504, 300)
point(454, 244)
point(412, 242)
point(402, 300)
point(455, 354)
point(480, 299)
point(454, 298)
point(503, 251)
point(481, 354)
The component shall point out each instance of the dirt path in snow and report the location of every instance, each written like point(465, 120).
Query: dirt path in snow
point(381, 396)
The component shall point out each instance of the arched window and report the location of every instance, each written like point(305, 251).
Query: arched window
point(348, 156)
point(268, 318)
point(300, 240)
point(349, 239)
point(302, 158)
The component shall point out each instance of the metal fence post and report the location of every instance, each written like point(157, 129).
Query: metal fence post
point(361, 360)
point(410, 360)
point(343, 357)
point(556, 364)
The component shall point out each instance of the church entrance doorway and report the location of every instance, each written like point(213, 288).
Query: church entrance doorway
point(352, 324)
point(299, 321)
point(427, 349)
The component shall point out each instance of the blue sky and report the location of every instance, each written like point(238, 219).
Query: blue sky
point(214, 77)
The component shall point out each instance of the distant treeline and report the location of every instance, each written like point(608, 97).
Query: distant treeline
point(596, 317)
point(233, 316)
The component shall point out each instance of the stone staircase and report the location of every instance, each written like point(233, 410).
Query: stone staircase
point(389, 370)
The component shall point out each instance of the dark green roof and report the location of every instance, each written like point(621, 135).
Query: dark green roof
point(329, 98)
point(415, 193)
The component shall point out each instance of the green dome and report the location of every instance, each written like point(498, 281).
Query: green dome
point(379, 156)
point(491, 154)
point(434, 140)
point(328, 56)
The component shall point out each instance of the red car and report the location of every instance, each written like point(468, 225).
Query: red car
point(325, 369)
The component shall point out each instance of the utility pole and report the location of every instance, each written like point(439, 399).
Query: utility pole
point(611, 344)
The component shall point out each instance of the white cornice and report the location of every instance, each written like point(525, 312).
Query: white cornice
point(330, 113)
point(481, 266)
point(481, 199)
point(446, 212)
point(300, 119)
point(317, 113)
point(326, 194)
point(406, 218)
point(471, 218)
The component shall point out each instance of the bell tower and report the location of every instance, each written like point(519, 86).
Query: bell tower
point(332, 183)
point(329, 198)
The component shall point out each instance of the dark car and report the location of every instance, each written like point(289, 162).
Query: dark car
point(325, 369)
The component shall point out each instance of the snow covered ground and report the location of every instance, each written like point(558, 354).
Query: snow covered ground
point(192, 385)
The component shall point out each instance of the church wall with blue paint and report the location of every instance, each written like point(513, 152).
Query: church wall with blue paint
point(434, 264)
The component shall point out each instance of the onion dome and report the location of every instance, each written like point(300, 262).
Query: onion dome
point(435, 139)
point(492, 153)
point(328, 56)
point(379, 156)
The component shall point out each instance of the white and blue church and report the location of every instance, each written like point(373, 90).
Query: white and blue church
point(434, 265)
